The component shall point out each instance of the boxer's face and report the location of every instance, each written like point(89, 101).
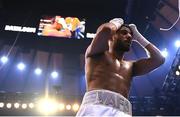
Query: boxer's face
point(122, 39)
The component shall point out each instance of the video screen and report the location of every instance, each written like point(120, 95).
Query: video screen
point(58, 26)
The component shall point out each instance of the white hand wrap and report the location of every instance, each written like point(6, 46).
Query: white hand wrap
point(117, 22)
point(138, 37)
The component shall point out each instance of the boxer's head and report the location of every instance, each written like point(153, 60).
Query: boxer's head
point(122, 38)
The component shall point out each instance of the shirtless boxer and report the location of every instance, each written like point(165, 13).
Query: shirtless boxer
point(108, 74)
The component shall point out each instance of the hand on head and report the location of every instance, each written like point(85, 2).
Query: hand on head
point(118, 22)
point(134, 31)
point(137, 36)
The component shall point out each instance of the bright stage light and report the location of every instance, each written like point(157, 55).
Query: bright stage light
point(24, 106)
point(8, 105)
point(68, 107)
point(1, 104)
point(61, 106)
point(47, 106)
point(164, 53)
point(4, 59)
point(54, 74)
point(177, 73)
point(16, 105)
point(21, 66)
point(75, 107)
point(38, 71)
point(179, 67)
point(177, 43)
point(31, 105)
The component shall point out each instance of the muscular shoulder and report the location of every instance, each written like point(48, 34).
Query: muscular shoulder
point(95, 59)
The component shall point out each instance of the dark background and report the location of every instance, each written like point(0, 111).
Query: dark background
point(67, 55)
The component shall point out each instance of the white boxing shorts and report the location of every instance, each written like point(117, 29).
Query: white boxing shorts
point(104, 103)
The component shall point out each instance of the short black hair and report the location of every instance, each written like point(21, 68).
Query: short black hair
point(125, 25)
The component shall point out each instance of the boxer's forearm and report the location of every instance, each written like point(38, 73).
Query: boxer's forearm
point(100, 43)
point(104, 33)
point(154, 54)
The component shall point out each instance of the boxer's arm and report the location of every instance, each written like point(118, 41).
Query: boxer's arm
point(146, 65)
point(105, 32)
point(154, 59)
point(100, 43)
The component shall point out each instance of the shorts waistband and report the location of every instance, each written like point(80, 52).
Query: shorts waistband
point(108, 98)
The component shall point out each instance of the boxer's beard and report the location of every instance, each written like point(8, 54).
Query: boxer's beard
point(121, 45)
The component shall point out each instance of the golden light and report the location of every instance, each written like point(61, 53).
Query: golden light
point(31, 105)
point(75, 107)
point(1, 104)
point(47, 106)
point(61, 106)
point(24, 106)
point(8, 105)
point(68, 107)
point(16, 105)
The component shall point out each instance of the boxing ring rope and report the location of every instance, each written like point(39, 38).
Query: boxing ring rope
point(167, 29)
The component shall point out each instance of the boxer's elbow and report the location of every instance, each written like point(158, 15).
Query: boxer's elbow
point(162, 60)
point(159, 61)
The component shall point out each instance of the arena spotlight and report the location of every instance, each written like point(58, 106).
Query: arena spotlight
point(16, 105)
point(177, 43)
point(61, 106)
point(179, 67)
point(8, 105)
point(54, 74)
point(31, 105)
point(38, 71)
point(75, 107)
point(164, 53)
point(68, 107)
point(21, 66)
point(177, 73)
point(4, 59)
point(1, 104)
point(47, 106)
point(24, 106)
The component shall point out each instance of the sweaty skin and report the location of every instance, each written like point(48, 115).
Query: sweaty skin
point(105, 72)
point(105, 67)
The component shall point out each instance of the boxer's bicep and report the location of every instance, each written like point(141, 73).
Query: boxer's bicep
point(100, 43)
point(143, 66)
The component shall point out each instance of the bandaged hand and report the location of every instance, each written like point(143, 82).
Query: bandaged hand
point(138, 37)
point(118, 22)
